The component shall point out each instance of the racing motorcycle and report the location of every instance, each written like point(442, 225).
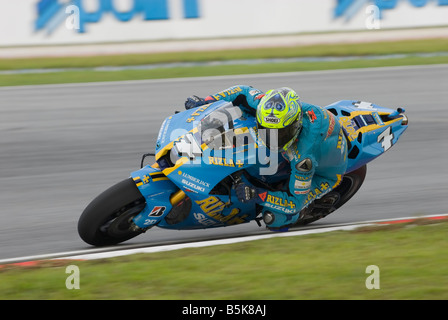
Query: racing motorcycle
point(200, 156)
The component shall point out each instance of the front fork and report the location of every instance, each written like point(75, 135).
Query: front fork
point(160, 195)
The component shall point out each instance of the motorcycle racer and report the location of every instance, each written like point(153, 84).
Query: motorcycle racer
point(309, 137)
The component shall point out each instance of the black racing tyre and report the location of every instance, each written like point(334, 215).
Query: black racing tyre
point(107, 220)
point(351, 182)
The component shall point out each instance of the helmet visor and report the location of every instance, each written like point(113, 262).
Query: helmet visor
point(277, 139)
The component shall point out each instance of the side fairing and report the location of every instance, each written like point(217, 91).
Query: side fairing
point(157, 189)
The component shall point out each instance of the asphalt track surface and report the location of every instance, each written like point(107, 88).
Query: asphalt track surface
point(61, 145)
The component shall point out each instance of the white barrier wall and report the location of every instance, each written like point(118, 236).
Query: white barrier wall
point(40, 22)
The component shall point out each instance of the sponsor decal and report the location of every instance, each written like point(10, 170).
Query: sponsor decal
point(300, 184)
point(211, 205)
point(318, 192)
point(341, 141)
point(377, 118)
point(203, 220)
point(292, 154)
point(331, 125)
point(161, 138)
point(254, 92)
point(192, 186)
point(194, 179)
point(53, 14)
point(227, 93)
point(149, 222)
point(311, 116)
point(349, 126)
point(197, 112)
point(225, 162)
point(192, 183)
point(301, 178)
point(157, 211)
point(271, 119)
point(280, 201)
point(213, 208)
point(277, 203)
point(386, 138)
point(279, 208)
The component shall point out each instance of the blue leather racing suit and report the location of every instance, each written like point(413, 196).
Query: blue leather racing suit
point(318, 159)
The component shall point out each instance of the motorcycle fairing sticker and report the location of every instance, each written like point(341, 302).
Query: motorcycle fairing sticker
point(214, 208)
point(362, 122)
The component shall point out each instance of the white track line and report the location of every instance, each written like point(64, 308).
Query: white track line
point(111, 252)
point(200, 244)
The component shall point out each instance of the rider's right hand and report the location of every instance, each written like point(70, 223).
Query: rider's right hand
point(193, 102)
point(245, 193)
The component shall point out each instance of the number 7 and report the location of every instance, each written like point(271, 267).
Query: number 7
point(387, 136)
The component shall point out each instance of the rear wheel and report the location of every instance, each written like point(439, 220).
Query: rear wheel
point(107, 220)
point(351, 182)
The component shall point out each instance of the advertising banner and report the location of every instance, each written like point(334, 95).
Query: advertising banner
point(45, 22)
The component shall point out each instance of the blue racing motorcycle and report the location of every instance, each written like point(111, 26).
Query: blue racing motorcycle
point(202, 153)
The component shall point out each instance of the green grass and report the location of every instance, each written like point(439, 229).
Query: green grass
point(95, 76)
point(377, 48)
point(408, 47)
point(412, 260)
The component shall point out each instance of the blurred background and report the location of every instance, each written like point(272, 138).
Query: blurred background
point(65, 22)
point(85, 85)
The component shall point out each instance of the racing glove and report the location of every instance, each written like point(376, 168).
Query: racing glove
point(193, 102)
point(247, 194)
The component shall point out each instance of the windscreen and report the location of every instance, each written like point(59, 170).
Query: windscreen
point(217, 129)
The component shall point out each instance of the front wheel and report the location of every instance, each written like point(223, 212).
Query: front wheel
point(107, 220)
